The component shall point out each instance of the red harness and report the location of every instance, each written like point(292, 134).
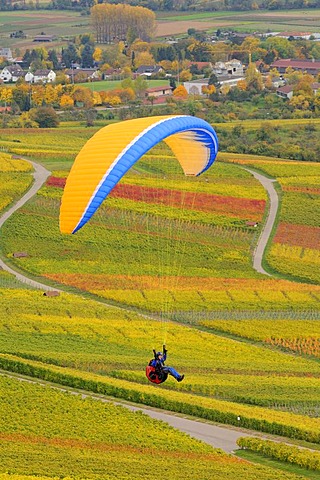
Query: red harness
point(154, 376)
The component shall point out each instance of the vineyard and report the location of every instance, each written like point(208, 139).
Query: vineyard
point(15, 179)
point(163, 249)
point(121, 444)
point(294, 252)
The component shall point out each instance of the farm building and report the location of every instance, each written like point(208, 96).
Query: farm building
point(287, 90)
point(157, 92)
point(149, 70)
point(44, 38)
point(194, 87)
point(308, 66)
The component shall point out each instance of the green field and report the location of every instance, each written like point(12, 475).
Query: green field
point(113, 84)
point(66, 24)
point(63, 24)
point(252, 21)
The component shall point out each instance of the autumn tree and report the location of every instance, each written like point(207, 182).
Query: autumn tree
point(185, 75)
point(144, 58)
point(180, 92)
point(37, 95)
point(23, 121)
point(304, 86)
point(253, 78)
point(112, 23)
point(140, 86)
point(83, 95)
point(46, 117)
point(50, 95)
point(66, 101)
point(6, 96)
point(208, 89)
point(21, 97)
point(97, 54)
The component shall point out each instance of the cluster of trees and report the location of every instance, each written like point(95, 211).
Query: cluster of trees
point(22, 97)
point(171, 57)
point(294, 142)
point(112, 23)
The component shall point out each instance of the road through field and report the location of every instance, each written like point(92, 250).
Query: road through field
point(214, 435)
point(217, 436)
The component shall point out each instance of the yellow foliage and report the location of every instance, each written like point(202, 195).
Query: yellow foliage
point(66, 101)
point(180, 92)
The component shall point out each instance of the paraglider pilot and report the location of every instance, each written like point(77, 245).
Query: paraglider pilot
point(158, 364)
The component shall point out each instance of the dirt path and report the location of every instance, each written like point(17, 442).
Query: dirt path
point(258, 253)
point(40, 175)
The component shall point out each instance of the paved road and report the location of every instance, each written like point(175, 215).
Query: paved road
point(258, 253)
point(217, 436)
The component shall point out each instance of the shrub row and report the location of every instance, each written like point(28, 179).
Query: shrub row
point(280, 451)
point(265, 420)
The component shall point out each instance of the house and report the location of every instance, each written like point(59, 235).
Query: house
point(82, 74)
point(156, 92)
point(201, 65)
point(6, 53)
point(44, 38)
point(194, 87)
point(278, 82)
point(11, 73)
point(44, 76)
point(232, 67)
point(287, 90)
point(111, 73)
point(29, 77)
point(309, 66)
point(149, 70)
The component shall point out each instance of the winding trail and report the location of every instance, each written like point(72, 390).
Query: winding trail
point(258, 253)
point(217, 436)
point(40, 175)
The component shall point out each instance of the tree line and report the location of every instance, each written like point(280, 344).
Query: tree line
point(112, 23)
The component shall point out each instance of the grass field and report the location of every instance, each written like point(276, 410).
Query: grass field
point(113, 84)
point(65, 24)
point(261, 20)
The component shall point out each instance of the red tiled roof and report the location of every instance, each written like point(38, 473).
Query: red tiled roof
point(201, 64)
point(293, 34)
point(158, 89)
point(285, 89)
point(303, 64)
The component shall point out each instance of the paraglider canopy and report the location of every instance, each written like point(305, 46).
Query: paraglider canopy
point(114, 149)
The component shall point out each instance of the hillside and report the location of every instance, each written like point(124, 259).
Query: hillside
point(247, 343)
